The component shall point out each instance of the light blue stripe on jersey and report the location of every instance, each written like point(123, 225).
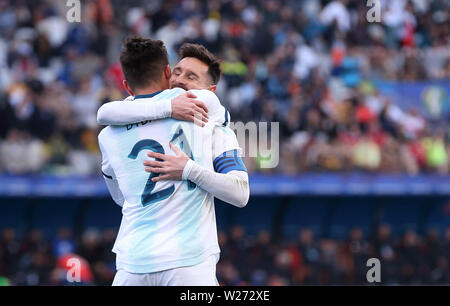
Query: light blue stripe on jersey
point(137, 185)
point(147, 239)
point(188, 226)
point(140, 237)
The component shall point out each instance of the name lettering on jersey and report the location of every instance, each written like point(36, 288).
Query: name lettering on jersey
point(142, 123)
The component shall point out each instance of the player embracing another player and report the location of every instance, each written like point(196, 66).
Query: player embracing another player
point(168, 233)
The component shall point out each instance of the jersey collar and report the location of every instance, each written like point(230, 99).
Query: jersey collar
point(148, 96)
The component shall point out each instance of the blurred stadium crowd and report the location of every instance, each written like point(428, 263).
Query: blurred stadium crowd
point(407, 260)
point(309, 65)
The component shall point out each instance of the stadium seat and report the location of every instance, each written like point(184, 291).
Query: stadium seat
point(439, 216)
point(102, 213)
point(256, 216)
point(348, 213)
point(305, 212)
point(402, 214)
point(223, 212)
point(13, 213)
point(51, 214)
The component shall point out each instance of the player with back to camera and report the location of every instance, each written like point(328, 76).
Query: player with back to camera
point(168, 233)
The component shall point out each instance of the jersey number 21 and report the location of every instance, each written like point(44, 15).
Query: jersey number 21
point(147, 196)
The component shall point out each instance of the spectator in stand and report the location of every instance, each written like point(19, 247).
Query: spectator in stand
point(314, 66)
point(406, 259)
point(306, 64)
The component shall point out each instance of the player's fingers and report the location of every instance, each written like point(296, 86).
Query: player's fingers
point(175, 149)
point(161, 178)
point(200, 111)
point(154, 170)
point(156, 155)
point(199, 122)
point(190, 95)
point(153, 163)
point(201, 105)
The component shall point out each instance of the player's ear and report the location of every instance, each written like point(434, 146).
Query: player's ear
point(213, 88)
point(167, 72)
point(128, 88)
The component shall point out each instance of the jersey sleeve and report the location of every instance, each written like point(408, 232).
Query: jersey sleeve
point(226, 151)
point(109, 176)
point(107, 169)
point(128, 112)
point(224, 140)
point(232, 187)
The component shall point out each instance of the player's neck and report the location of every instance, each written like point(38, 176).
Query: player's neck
point(150, 90)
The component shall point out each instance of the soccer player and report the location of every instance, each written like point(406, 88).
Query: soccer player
point(168, 234)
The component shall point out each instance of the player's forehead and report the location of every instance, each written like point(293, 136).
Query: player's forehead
point(192, 64)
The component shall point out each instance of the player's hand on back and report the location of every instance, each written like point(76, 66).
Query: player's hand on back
point(186, 108)
point(167, 166)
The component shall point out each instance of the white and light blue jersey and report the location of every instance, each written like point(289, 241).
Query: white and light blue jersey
point(169, 224)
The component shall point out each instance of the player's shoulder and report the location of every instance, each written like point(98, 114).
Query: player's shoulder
point(205, 93)
point(207, 96)
point(172, 92)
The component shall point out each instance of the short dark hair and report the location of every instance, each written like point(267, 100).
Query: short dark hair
point(143, 60)
point(202, 54)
